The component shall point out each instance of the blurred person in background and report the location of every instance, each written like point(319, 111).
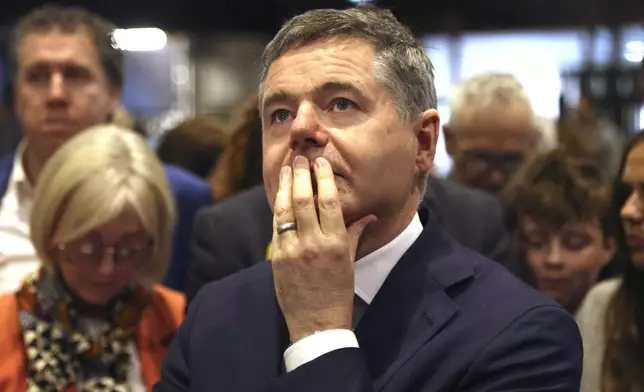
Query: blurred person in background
point(584, 132)
point(240, 165)
point(68, 77)
point(235, 233)
point(559, 207)
point(611, 318)
point(124, 119)
point(194, 145)
point(93, 318)
point(491, 130)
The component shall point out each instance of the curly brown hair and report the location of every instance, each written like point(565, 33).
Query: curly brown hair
point(554, 188)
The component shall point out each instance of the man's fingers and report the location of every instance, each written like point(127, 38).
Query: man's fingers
point(283, 208)
point(330, 210)
point(303, 201)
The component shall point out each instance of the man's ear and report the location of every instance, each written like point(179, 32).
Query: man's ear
point(427, 137)
point(450, 140)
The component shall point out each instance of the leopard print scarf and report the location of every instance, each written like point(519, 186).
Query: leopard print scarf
point(60, 347)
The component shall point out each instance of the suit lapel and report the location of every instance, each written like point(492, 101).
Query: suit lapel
point(412, 305)
point(274, 335)
point(260, 341)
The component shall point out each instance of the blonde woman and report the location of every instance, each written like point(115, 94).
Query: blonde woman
point(93, 318)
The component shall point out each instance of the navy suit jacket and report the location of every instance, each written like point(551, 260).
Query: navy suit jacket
point(191, 194)
point(446, 319)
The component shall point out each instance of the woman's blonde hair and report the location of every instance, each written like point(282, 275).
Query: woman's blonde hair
point(90, 180)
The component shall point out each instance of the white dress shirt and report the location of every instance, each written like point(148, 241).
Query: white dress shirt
point(17, 256)
point(370, 274)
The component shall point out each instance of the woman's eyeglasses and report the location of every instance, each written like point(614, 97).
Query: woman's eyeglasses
point(90, 249)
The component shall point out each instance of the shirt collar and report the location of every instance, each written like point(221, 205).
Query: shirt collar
point(18, 174)
point(372, 270)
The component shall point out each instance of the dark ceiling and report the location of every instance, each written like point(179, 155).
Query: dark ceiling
point(421, 15)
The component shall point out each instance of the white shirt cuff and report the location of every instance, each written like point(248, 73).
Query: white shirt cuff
point(316, 345)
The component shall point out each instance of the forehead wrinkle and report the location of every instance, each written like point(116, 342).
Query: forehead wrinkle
point(308, 59)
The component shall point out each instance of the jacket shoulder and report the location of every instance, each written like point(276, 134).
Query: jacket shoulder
point(184, 183)
point(12, 361)
point(171, 302)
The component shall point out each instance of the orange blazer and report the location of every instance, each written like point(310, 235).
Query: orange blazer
point(158, 326)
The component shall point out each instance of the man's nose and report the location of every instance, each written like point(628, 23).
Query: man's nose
point(555, 257)
point(632, 209)
point(56, 91)
point(497, 177)
point(307, 130)
point(108, 262)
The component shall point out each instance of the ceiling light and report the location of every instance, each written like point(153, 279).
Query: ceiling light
point(139, 40)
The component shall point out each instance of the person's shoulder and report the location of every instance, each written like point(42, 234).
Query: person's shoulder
point(169, 296)
point(8, 308)
point(502, 292)
point(255, 194)
point(598, 297)
point(503, 310)
point(450, 197)
point(12, 361)
point(6, 166)
point(9, 319)
point(243, 289)
point(6, 160)
point(604, 289)
point(247, 202)
point(172, 303)
point(184, 182)
point(458, 192)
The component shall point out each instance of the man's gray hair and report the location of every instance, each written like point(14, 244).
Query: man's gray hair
point(400, 62)
point(489, 89)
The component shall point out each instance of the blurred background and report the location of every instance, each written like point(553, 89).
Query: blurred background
point(186, 58)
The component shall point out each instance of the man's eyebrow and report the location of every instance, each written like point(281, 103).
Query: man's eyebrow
point(283, 96)
point(276, 97)
point(339, 86)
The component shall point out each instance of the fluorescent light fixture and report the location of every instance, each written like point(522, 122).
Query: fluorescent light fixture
point(360, 1)
point(634, 51)
point(139, 40)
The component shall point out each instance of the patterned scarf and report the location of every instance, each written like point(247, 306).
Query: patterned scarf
point(61, 352)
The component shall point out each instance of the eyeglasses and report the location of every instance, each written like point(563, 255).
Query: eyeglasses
point(131, 250)
point(488, 161)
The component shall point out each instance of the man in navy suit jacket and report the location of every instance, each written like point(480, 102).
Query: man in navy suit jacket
point(68, 77)
point(364, 292)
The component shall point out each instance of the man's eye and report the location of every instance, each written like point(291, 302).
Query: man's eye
point(279, 116)
point(342, 104)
